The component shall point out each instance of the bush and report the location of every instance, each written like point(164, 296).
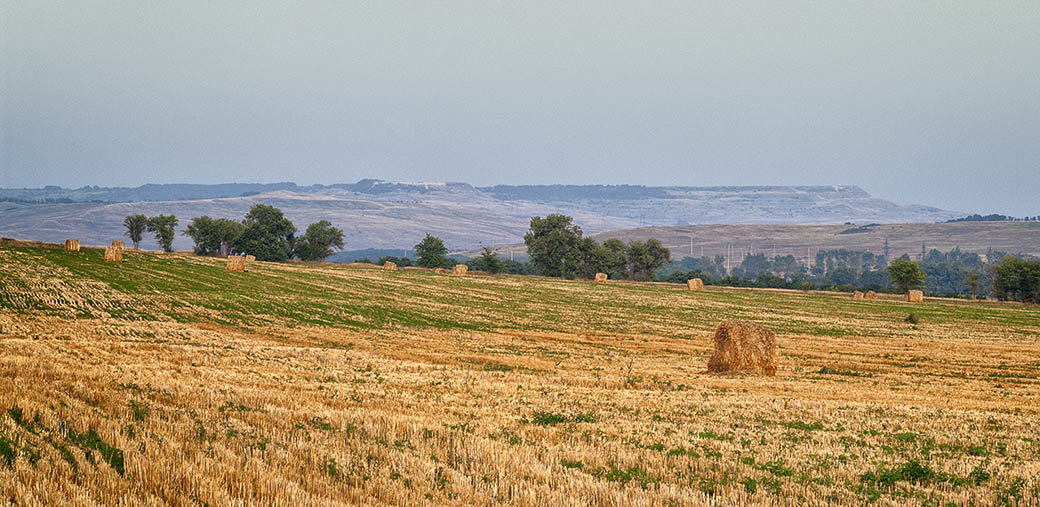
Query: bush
point(913, 318)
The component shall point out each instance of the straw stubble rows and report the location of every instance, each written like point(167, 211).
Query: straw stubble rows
point(167, 379)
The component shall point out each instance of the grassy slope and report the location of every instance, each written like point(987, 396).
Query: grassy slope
point(411, 386)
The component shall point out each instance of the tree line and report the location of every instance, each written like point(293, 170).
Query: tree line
point(264, 232)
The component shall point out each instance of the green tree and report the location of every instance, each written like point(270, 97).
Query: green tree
point(431, 253)
point(213, 236)
point(267, 234)
point(489, 261)
point(1017, 279)
point(164, 227)
point(317, 242)
point(906, 274)
point(973, 284)
point(644, 258)
point(135, 227)
point(553, 244)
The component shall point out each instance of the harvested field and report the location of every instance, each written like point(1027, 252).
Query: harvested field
point(167, 379)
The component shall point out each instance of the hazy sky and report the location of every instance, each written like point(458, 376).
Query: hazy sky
point(925, 102)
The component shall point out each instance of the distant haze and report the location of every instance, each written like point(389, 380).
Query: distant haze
point(934, 103)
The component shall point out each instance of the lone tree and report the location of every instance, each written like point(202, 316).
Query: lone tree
point(906, 274)
point(554, 244)
point(644, 258)
point(489, 261)
point(163, 226)
point(135, 227)
point(213, 236)
point(431, 253)
point(1017, 279)
point(268, 235)
point(318, 241)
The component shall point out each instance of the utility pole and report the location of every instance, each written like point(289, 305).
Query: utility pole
point(922, 251)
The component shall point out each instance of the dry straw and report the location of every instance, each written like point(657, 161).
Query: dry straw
point(871, 294)
point(236, 263)
point(915, 296)
point(459, 269)
point(250, 258)
point(441, 271)
point(694, 284)
point(389, 266)
point(113, 254)
point(743, 347)
point(71, 245)
point(857, 295)
point(601, 277)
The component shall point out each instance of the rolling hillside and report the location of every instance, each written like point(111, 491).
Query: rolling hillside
point(165, 378)
point(797, 240)
point(387, 215)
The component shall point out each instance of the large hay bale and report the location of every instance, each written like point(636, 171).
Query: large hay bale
point(113, 254)
point(250, 258)
point(71, 245)
point(601, 277)
point(236, 263)
point(118, 243)
point(389, 266)
point(915, 296)
point(857, 295)
point(694, 284)
point(743, 347)
point(459, 269)
point(871, 294)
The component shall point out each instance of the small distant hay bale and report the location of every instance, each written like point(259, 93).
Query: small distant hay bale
point(389, 266)
point(459, 269)
point(695, 284)
point(441, 271)
point(113, 254)
point(857, 295)
point(250, 258)
point(236, 263)
point(71, 245)
point(871, 294)
point(743, 347)
point(601, 277)
point(915, 296)
point(118, 243)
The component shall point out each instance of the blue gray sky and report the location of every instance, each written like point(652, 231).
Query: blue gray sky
point(920, 102)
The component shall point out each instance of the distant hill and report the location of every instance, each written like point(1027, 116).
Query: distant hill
point(1019, 237)
point(394, 215)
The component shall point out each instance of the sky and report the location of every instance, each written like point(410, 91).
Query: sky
point(922, 102)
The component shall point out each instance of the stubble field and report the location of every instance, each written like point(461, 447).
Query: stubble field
point(166, 380)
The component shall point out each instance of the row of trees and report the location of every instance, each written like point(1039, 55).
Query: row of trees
point(264, 233)
point(557, 248)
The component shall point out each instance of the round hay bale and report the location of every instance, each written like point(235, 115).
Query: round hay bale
point(236, 263)
point(871, 294)
point(857, 295)
point(389, 266)
point(459, 269)
point(601, 277)
point(915, 296)
point(695, 284)
point(743, 347)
